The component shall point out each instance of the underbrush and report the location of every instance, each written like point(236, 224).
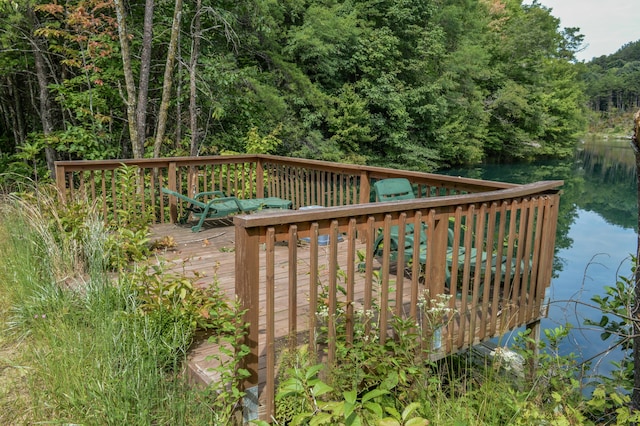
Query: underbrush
point(94, 337)
point(397, 384)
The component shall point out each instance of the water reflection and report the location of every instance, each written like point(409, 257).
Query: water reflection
point(600, 155)
point(610, 173)
point(596, 231)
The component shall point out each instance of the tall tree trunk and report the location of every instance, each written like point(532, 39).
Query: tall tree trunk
point(145, 71)
point(168, 79)
point(635, 397)
point(138, 151)
point(193, 63)
point(14, 114)
point(45, 100)
point(176, 144)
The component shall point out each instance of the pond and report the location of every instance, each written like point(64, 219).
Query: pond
point(595, 239)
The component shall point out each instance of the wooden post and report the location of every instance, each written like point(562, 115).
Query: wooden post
point(171, 182)
point(437, 254)
point(247, 291)
point(61, 177)
point(365, 187)
point(365, 191)
point(260, 179)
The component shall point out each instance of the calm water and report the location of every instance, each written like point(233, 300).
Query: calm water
point(596, 233)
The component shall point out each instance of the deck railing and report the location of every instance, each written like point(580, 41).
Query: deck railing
point(304, 182)
point(516, 225)
point(489, 246)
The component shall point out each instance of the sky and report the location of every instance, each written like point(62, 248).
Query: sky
point(606, 24)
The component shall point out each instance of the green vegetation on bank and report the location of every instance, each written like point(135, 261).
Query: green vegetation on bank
point(613, 81)
point(612, 86)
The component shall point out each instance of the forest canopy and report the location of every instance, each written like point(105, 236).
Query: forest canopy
point(400, 83)
point(613, 81)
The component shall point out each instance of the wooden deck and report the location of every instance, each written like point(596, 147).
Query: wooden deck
point(515, 223)
point(210, 255)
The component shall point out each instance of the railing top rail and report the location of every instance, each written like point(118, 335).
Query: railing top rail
point(456, 182)
point(77, 165)
point(341, 212)
point(453, 182)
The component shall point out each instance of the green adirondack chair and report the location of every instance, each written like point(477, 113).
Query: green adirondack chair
point(215, 204)
point(395, 189)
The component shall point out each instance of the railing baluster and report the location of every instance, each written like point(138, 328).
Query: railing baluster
point(293, 281)
point(313, 288)
point(384, 275)
point(522, 267)
point(350, 284)
point(333, 290)
point(270, 321)
point(526, 274)
point(512, 213)
point(402, 229)
point(248, 293)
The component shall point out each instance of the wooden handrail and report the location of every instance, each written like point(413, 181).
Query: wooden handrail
point(341, 212)
point(371, 172)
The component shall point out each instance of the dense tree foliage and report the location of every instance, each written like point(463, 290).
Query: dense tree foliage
point(613, 81)
point(411, 84)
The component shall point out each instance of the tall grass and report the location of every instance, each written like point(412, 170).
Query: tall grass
point(87, 355)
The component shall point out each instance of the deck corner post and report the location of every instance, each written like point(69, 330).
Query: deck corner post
point(171, 183)
point(247, 292)
point(365, 187)
point(534, 347)
point(260, 177)
point(437, 258)
point(61, 177)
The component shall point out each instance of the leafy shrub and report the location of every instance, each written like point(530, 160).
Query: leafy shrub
point(201, 308)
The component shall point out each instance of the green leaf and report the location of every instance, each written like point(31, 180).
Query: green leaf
point(373, 407)
point(417, 421)
point(374, 394)
point(393, 412)
point(409, 410)
point(321, 388)
point(301, 418)
point(350, 396)
point(388, 421)
point(353, 420)
point(349, 410)
point(391, 381)
point(320, 419)
point(313, 371)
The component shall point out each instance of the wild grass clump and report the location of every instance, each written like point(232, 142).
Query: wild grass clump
point(85, 345)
